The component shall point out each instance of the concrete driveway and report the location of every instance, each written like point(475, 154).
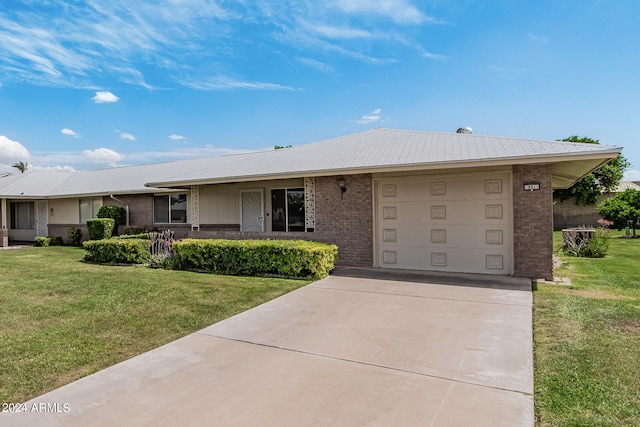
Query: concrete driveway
point(361, 347)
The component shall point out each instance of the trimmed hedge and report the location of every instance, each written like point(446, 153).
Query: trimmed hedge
point(117, 213)
point(100, 228)
point(117, 251)
point(291, 258)
point(48, 241)
point(132, 230)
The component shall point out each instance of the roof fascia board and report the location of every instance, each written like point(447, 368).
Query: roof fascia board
point(611, 154)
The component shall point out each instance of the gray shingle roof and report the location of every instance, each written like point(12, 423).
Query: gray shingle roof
point(626, 185)
point(388, 149)
point(369, 151)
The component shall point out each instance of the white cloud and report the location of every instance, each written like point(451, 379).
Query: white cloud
point(128, 136)
point(342, 33)
point(103, 155)
point(435, 56)
point(538, 38)
point(227, 83)
point(105, 97)
point(98, 41)
point(399, 11)
point(12, 151)
point(69, 132)
point(318, 65)
point(374, 116)
point(176, 137)
point(57, 168)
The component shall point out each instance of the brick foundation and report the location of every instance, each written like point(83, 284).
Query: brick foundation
point(4, 237)
point(533, 222)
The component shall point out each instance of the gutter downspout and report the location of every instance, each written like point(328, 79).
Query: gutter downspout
point(125, 206)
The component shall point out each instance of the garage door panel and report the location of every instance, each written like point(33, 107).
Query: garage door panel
point(459, 260)
point(420, 189)
point(447, 212)
point(449, 223)
point(459, 236)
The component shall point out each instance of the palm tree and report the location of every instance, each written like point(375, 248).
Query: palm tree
point(21, 166)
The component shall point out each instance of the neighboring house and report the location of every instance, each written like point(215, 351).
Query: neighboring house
point(567, 214)
point(388, 198)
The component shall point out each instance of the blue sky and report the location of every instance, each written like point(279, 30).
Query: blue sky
point(88, 84)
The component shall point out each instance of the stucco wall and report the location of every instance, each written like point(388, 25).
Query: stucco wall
point(65, 211)
point(533, 222)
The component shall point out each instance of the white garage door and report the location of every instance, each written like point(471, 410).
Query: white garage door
point(458, 223)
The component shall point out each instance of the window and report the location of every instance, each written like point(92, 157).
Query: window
point(287, 209)
point(89, 208)
point(170, 209)
point(22, 215)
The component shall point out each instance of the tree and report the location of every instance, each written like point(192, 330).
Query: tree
point(21, 166)
point(602, 180)
point(623, 210)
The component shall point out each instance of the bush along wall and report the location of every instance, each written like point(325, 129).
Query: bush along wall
point(116, 213)
point(117, 251)
point(100, 228)
point(290, 258)
point(48, 241)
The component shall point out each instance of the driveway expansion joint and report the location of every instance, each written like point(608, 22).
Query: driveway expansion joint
point(358, 362)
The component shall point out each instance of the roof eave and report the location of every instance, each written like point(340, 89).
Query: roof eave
point(604, 156)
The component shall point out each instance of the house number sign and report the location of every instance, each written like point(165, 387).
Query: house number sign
point(532, 186)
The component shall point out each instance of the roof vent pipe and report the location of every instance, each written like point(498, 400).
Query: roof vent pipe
point(466, 130)
point(126, 207)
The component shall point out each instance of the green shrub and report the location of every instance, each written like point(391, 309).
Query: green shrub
point(116, 213)
point(144, 236)
point(74, 235)
point(100, 228)
point(117, 251)
point(55, 241)
point(291, 258)
point(48, 241)
point(131, 230)
point(42, 241)
point(592, 245)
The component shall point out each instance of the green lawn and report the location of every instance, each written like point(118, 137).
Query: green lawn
point(587, 341)
point(61, 319)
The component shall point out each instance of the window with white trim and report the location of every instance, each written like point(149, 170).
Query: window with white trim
point(170, 209)
point(89, 208)
point(22, 215)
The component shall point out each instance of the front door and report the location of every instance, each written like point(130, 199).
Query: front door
point(251, 210)
point(42, 218)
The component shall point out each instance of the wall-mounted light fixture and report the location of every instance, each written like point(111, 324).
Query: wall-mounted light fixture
point(342, 185)
point(51, 211)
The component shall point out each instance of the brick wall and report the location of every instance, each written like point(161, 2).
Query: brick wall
point(140, 207)
point(4, 237)
point(62, 230)
point(533, 222)
point(345, 220)
point(567, 214)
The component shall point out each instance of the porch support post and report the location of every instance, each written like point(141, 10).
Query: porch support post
point(195, 208)
point(4, 232)
point(310, 204)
